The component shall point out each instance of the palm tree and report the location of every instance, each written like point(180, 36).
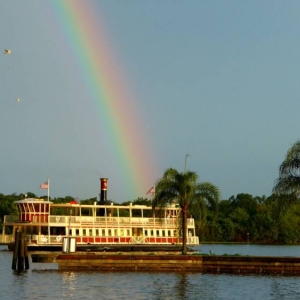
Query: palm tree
point(287, 186)
point(183, 188)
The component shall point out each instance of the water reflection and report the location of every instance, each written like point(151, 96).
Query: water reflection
point(69, 284)
point(182, 286)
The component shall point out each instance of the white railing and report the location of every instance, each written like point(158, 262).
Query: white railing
point(60, 219)
point(6, 239)
point(193, 240)
point(122, 221)
point(57, 240)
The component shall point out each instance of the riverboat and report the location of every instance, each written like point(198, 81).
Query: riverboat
point(47, 224)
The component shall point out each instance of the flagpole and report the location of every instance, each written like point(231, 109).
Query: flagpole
point(48, 190)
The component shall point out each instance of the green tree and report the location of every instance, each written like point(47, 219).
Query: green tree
point(139, 201)
point(185, 190)
point(30, 195)
point(288, 182)
point(287, 186)
point(289, 231)
point(7, 206)
point(240, 219)
point(225, 232)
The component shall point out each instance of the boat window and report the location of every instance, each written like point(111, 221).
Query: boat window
point(83, 232)
point(146, 232)
point(116, 232)
point(109, 232)
point(169, 232)
point(157, 232)
point(70, 232)
point(151, 232)
point(103, 232)
point(121, 232)
point(44, 230)
point(128, 232)
point(163, 233)
point(97, 232)
point(77, 232)
point(91, 232)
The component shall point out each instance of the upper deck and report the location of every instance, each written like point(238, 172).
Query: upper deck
point(41, 212)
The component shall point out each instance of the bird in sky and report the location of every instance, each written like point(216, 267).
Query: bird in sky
point(18, 100)
point(7, 51)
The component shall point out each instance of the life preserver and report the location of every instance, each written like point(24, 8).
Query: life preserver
point(58, 238)
point(57, 218)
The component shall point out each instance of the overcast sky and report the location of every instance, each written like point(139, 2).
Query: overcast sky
point(218, 80)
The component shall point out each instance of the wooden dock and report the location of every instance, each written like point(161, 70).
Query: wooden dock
point(172, 262)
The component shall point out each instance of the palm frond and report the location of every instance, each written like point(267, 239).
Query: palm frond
point(291, 164)
point(287, 185)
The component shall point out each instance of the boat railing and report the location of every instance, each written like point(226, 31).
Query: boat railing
point(6, 239)
point(89, 220)
point(58, 239)
point(44, 239)
point(193, 240)
point(121, 221)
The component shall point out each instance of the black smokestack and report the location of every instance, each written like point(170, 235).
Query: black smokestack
point(103, 190)
point(103, 196)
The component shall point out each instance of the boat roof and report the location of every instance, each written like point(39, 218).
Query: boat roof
point(33, 200)
point(76, 204)
point(109, 206)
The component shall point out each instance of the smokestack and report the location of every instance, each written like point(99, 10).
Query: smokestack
point(103, 196)
point(103, 190)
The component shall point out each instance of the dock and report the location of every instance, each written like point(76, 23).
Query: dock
point(172, 262)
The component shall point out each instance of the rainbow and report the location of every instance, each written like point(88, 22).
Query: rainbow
point(80, 22)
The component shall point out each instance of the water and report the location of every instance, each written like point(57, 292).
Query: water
point(248, 249)
point(44, 281)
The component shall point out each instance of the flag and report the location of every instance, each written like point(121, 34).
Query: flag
point(151, 191)
point(44, 185)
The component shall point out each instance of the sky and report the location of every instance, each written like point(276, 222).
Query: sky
point(148, 83)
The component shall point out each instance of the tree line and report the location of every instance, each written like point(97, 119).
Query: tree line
point(245, 218)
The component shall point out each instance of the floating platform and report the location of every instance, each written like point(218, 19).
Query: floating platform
point(172, 262)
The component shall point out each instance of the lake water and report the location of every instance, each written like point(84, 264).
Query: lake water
point(44, 281)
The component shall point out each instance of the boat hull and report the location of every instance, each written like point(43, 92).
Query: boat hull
point(107, 248)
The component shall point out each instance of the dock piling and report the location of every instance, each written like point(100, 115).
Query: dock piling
point(20, 261)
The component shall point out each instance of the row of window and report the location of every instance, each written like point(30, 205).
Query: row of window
point(122, 232)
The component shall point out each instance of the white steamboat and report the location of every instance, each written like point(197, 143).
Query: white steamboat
point(46, 224)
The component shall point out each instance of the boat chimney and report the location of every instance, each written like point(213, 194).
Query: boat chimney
point(103, 190)
point(103, 197)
